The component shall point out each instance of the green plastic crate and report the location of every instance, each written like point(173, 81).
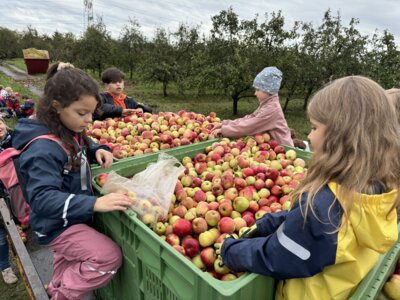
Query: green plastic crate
point(370, 287)
point(152, 269)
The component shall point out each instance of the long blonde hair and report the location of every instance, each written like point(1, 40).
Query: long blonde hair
point(361, 144)
point(394, 96)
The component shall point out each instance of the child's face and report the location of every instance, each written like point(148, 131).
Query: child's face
point(115, 87)
point(3, 130)
point(261, 95)
point(316, 135)
point(78, 115)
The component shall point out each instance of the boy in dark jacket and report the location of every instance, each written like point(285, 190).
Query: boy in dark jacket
point(115, 103)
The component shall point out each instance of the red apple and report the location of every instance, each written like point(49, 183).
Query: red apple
point(182, 227)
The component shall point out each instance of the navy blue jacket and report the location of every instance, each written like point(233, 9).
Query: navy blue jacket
point(111, 111)
point(286, 247)
point(58, 200)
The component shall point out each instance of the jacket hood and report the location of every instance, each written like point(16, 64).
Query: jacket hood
point(26, 130)
point(373, 219)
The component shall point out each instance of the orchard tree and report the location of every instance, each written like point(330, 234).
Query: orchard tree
point(383, 61)
point(62, 46)
point(131, 47)
point(31, 39)
point(160, 63)
point(9, 46)
point(93, 50)
point(187, 45)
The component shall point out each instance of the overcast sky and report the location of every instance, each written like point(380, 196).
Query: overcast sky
point(48, 16)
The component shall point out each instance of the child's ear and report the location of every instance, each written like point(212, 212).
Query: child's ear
point(56, 105)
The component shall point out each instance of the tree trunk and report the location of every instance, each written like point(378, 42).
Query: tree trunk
point(235, 104)
point(286, 103)
point(309, 92)
point(165, 85)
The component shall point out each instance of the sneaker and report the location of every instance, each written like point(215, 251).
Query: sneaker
point(9, 276)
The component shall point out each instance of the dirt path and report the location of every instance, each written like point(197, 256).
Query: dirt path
point(21, 75)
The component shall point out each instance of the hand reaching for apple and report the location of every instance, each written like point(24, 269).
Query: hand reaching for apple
point(104, 158)
point(131, 111)
point(250, 232)
point(112, 201)
point(218, 247)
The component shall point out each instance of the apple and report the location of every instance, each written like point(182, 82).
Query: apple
point(160, 228)
point(180, 249)
point(276, 206)
point(206, 186)
point(208, 256)
point(226, 225)
point(199, 225)
point(249, 218)
point(231, 193)
point(191, 246)
point(228, 277)
point(219, 267)
point(299, 162)
point(225, 207)
point(202, 208)
point(207, 238)
point(239, 223)
point(179, 210)
point(196, 260)
point(173, 239)
point(212, 217)
point(182, 227)
point(240, 204)
point(101, 179)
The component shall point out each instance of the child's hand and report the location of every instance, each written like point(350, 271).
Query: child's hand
point(104, 158)
point(112, 201)
point(216, 132)
point(130, 111)
point(63, 65)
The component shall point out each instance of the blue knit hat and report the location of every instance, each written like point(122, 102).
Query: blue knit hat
point(268, 80)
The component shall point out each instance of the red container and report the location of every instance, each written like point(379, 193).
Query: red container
point(35, 66)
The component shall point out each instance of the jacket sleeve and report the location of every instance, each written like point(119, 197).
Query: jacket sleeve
point(41, 166)
point(269, 223)
point(296, 249)
point(93, 147)
point(108, 108)
point(257, 122)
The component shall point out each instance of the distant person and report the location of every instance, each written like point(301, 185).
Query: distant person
point(268, 117)
point(12, 101)
point(58, 184)
point(7, 272)
point(343, 215)
point(27, 109)
point(115, 102)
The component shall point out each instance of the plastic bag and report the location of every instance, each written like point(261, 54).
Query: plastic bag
point(152, 189)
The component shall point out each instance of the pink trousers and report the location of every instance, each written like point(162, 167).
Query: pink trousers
point(84, 260)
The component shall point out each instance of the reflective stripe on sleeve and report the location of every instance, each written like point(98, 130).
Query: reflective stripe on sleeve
point(66, 205)
point(291, 245)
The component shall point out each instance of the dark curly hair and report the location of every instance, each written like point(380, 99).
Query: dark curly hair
point(65, 86)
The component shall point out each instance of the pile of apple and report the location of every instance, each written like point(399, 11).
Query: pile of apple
point(223, 191)
point(135, 135)
point(391, 289)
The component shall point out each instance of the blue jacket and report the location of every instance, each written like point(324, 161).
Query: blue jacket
point(321, 257)
point(59, 197)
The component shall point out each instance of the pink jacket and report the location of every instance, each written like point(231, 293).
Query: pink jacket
point(268, 117)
